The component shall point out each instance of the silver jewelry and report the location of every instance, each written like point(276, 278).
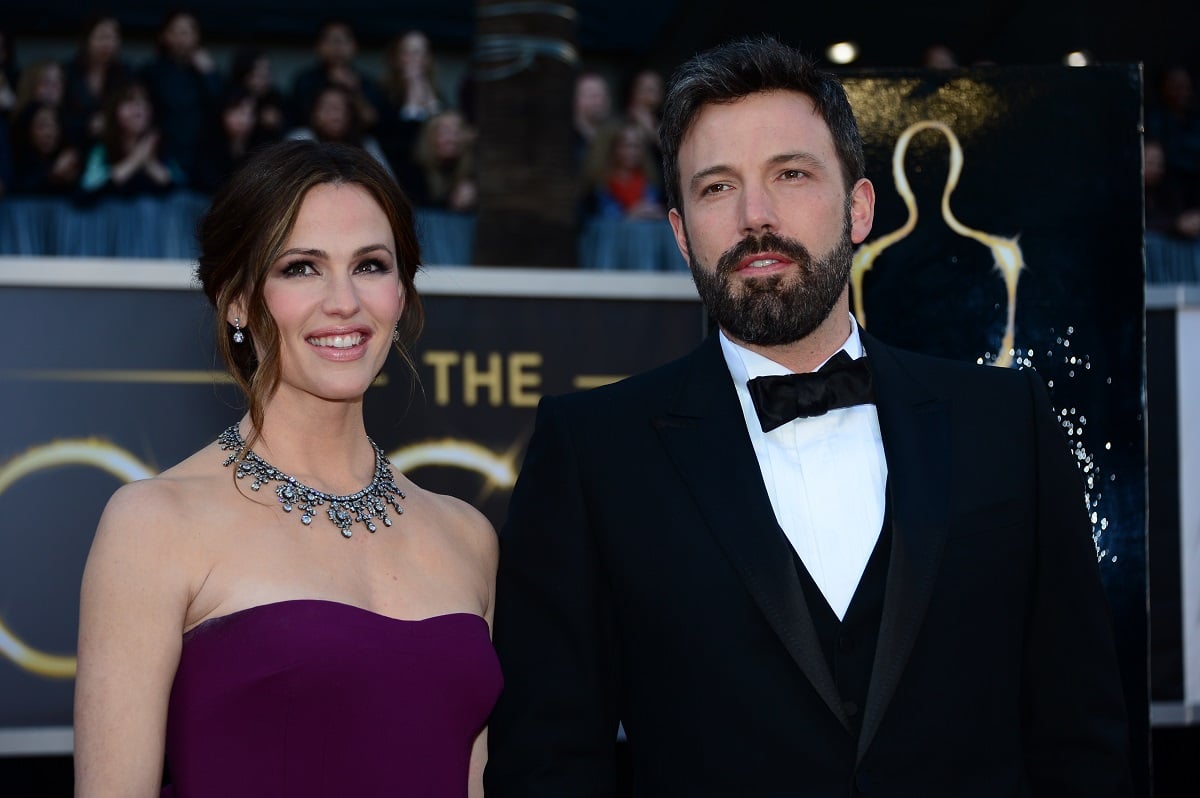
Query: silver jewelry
point(238, 335)
point(365, 506)
point(396, 333)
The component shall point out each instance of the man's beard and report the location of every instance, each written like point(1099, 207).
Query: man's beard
point(777, 308)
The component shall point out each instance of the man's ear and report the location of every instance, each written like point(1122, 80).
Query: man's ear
point(676, 220)
point(862, 210)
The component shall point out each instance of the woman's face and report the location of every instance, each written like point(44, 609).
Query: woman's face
point(413, 55)
point(134, 116)
point(238, 120)
point(335, 295)
point(181, 36)
point(104, 41)
point(628, 151)
point(44, 131)
point(258, 79)
point(49, 87)
point(448, 137)
point(331, 116)
point(648, 91)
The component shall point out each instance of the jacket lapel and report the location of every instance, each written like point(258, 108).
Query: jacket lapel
point(916, 442)
point(705, 436)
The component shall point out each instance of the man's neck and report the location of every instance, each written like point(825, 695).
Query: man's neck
point(808, 353)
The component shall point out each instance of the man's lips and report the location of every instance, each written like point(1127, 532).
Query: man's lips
point(763, 262)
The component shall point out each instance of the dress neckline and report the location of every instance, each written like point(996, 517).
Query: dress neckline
point(337, 606)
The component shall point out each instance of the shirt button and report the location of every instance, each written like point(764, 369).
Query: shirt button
point(851, 708)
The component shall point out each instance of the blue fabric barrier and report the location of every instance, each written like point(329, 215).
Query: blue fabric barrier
point(629, 244)
point(1171, 260)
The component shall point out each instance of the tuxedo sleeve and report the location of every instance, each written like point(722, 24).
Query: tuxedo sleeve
point(554, 728)
point(1076, 741)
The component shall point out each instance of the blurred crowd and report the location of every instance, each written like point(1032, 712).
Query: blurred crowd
point(1172, 155)
point(98, 126)
point(95, 125)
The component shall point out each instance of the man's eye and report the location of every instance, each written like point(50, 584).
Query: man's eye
point(716, 188)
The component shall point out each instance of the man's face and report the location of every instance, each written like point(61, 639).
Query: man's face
point(766, 224)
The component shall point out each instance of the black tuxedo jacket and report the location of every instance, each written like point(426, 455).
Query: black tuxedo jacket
point(644, 580)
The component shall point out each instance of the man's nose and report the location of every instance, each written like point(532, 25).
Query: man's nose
point(758, 210)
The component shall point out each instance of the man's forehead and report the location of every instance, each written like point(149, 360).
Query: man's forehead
point(716, 117)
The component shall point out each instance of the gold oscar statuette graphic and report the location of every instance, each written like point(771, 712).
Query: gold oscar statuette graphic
point(499, 472)
point(88, 452)
point(1006, 252)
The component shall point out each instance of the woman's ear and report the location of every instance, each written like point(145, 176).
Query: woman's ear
point(236, 314)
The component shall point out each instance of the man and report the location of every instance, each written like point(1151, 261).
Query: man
point(897, 597)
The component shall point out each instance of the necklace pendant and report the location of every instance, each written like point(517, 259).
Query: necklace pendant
point(365, 507)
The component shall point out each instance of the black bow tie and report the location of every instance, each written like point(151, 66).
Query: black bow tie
point(842, 382)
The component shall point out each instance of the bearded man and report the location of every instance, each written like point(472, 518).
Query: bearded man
point(798, 562)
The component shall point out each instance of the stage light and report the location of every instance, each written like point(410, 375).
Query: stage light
point(1077, 58)
point(842, 52)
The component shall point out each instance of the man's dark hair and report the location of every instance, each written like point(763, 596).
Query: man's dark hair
point(747, 66)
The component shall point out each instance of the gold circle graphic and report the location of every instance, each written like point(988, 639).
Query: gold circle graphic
point(89, 452)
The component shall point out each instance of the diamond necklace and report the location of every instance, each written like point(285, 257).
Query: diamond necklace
point(364, 506)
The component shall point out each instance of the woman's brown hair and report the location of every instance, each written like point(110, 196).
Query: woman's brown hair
point(248, 224)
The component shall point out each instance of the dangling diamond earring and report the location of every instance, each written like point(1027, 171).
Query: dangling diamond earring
point(238, 335)
point(396, 333)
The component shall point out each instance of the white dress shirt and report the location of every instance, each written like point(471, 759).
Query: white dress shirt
point(825, 475)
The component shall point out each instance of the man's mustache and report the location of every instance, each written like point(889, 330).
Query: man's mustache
point(767, 242)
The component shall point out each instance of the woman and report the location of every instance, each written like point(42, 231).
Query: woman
point(444, 165)
point(334, 118)
point(184, 86)
point(251, 72)
point(304, 638)
point(410, 87)
point(94, 70)
point(620, 180)
point(44, 163)
point(129, 161)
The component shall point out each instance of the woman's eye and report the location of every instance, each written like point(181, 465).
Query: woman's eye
point(299, 268)
point(373, 265)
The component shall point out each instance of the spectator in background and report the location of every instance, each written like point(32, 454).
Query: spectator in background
point(184, 88)
point(410, 87)
point(91, 72)
point(444, 176)
point(643, 104)
point(43, 162)
point(9, 72)
point(620, 177)
point(592, 111)
point(230, 140)
point(334, 117)
point(336, 48)
point(8, 99)
point(129, 160)
point(251, 73)
point(42, 82)
point(1172, 202)
point(1173, 120)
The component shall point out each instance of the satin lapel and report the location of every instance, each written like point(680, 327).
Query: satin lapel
point(705, 436)
point(916, 442)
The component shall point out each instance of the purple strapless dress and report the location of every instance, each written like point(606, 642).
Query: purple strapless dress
point(315, 698)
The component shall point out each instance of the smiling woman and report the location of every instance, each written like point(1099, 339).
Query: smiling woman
point(218, 622)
